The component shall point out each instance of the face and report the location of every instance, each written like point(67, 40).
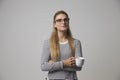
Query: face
point(61, 22)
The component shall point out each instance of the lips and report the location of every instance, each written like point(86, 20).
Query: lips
point(63, 26)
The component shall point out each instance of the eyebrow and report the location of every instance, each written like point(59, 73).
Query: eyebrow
point(62, 19)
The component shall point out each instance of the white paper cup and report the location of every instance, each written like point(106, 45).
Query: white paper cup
point(79, 61)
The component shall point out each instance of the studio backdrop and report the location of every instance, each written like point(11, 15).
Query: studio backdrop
point(25, 24)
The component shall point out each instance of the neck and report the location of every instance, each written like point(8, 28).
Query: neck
point(62, 36)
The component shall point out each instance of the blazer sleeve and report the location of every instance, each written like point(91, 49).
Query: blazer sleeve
point(78, 53)
point(48, 66)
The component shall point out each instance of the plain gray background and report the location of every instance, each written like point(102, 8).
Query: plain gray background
point(25, 24)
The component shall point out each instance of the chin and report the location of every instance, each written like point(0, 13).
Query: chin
point(64, 30)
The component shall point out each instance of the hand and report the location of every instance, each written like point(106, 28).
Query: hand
point(50, 60)
point(70, 62)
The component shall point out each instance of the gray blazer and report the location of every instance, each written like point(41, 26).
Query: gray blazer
point(56, 69)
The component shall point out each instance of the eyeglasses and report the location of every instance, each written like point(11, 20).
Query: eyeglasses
point(66, 20)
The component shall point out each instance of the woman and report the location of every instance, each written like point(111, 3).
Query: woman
point(60, 51)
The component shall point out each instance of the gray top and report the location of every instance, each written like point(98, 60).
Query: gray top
point(56, 69)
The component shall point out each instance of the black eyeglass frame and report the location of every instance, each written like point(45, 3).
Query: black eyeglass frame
point(66, 20)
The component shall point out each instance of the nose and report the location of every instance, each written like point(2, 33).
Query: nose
point(62, 21)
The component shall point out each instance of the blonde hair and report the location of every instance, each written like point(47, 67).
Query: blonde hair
point(54, 41)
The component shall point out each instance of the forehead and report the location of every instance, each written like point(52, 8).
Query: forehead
point(61, 16)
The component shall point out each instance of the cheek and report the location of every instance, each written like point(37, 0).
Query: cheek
point(56, 26)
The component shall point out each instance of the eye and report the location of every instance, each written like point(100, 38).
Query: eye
point(58, 20)
point(66, 20)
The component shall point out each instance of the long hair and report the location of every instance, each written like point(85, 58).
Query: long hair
point(54, 40)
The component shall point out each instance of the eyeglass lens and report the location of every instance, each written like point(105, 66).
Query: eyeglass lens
point(66, 20)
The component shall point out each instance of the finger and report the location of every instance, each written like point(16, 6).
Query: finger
point(72, 64)
point(72, 58)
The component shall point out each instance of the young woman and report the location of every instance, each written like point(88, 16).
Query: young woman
point(60, 51)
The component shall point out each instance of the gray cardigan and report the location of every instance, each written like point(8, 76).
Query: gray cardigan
point(56, 69)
